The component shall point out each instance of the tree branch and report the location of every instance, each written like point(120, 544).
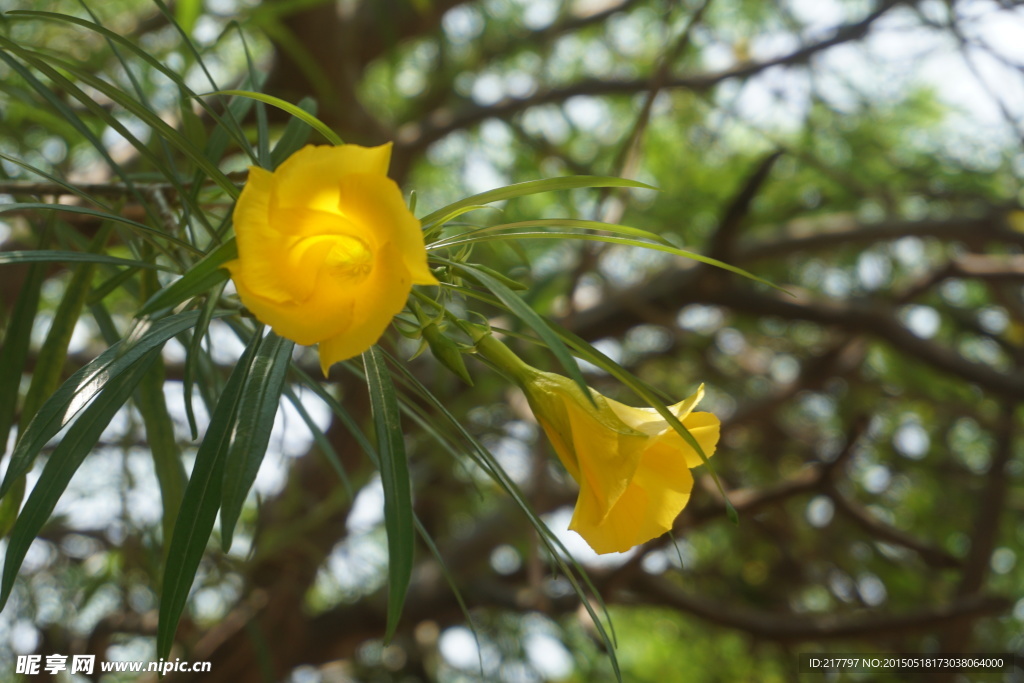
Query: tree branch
point(413, 137)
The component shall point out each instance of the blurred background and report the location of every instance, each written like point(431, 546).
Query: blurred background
point(864, 155)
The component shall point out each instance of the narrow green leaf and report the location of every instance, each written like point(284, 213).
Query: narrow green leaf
point(48, 94)
point(84, 384)
point(199, 278)
point(453, 584)
point(68, 187)
point(528, 188)
point(186, 12)
point(199, 506)
point(236, 110)
point(122, 278)
point(140, 92)
point(54, 256)
point(340, 412)
point(614, 240)
point(524, 312)
point(299, 113)
point(15, 347)
point(150, 118)
point(578, 224)
point(514, 285)
point(54, 351)
point(257, 408)
point(114, 38)
point(45, 64)
point(12, 365)
point(295, 134)
point(170, 473)
point(195, 355)
point(437, 223)
point(61, 466)
point(394, 477)
point(151, 233)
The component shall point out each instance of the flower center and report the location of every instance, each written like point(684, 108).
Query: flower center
point(349, 258)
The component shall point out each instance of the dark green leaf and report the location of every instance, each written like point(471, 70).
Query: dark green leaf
point(251, 434)
point(199, 506)
point(394, 477)
point(16, 341)
point(295, 111)
point(524, 312)
point(199, 278)
point(170, 473)
point(104, 216)
point(528, 188)
point(63, 463)
point(54, 256)
point(84, 384)
point(295, 134)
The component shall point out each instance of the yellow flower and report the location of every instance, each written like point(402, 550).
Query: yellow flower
point(327, 249)
point(632, 467)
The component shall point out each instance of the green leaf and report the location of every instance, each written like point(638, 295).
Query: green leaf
point(295, 134)
point(555, 222)
point(54, 256)
point(170, 473)
point(186, 12)
point(524, 312)
point(514, 285)
point(257, 408)
point(613, 240)
point(12, 365)
point(16, 342)
point(149, 117)
point(394, 477)
point(195, 355)
point(299, 113)
point(63, 463)
point(54, 351)
point(48, 94)
point(339, 411)
point(151, 233)
point(114, 38)
point(199, 278)
point(86, 383)
point(67, 187)
point(199, 506)
point(528, 188)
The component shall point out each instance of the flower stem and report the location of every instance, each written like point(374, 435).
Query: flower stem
point(503, 357)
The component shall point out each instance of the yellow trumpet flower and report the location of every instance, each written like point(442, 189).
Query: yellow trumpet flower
point(632, 467)
point(327, 249)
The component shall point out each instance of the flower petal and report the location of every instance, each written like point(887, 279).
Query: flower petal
point(647, 509)
point(301, 325)
point(253, 231)
point(648, 420)
point(376, 300)
point(704, 427)
point(311, 178)
point(607, 458)
point(376, 201)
